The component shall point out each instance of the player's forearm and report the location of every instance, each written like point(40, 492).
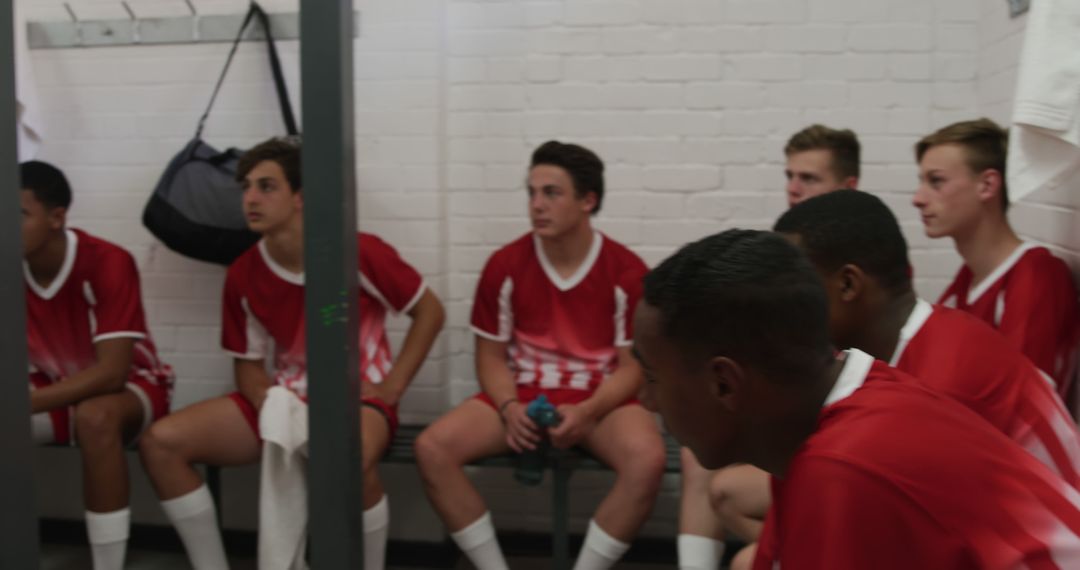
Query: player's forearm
point(96, 380)
point(252, 381)
point(623, 384)
point(427, 320)
point(496, 379)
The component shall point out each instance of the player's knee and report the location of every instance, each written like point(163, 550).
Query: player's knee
point(718, 492)
point(744, 559)
point(95, 423)
point(431, 450)
point(648, 465)
point(162, 439)
point(723, 496)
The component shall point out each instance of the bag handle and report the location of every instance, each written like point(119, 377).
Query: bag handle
point(275, 67)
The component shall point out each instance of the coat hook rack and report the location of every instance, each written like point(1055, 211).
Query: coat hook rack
point(194, 28)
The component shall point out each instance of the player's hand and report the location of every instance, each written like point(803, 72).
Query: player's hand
point(381, 392)
point(521, 432)
point(576, 423)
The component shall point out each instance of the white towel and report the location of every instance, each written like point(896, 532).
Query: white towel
point(27, 115)
point(1044, 145)
point(283, 422)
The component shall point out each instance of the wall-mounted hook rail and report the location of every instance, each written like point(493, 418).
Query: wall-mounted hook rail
point(195, 28)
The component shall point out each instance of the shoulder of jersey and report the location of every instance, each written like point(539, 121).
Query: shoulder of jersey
point(244, 260)
point(1041, 259)
point(621, 252)
point(99, 248)
point(516, 251)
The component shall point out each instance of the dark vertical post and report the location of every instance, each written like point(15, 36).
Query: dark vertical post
point(18, 516)
point(329, 178)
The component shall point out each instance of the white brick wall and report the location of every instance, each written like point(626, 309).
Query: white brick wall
point(688, 101)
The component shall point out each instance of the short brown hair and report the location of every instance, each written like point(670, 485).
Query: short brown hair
point(285, 151)
point(842, 143)
point(985, 143)
point(584, 167)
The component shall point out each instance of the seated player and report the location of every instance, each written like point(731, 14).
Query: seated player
point(1018, 288)
point(552, 315)
point(95, 377)
point(264, 302)
point(819, 159)
point(870, 468)
point(855, 243)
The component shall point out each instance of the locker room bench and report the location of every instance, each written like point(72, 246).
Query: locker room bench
point(562, 465)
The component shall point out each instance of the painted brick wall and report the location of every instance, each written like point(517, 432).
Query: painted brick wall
point(688, 101)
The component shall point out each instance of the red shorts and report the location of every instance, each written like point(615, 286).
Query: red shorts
point(389, 413)
point(557, 396)
point(154, 400)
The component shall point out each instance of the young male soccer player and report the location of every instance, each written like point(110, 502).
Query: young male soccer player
point(552, 315)
point(855, 243)
point(870, 468)
point(95, 377)
point(264, 302)
point(1019, 288)
point(819, 160)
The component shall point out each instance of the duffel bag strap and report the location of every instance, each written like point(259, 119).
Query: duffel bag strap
point(275, 67)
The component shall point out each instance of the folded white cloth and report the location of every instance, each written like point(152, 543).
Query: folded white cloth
point(1044, 145)
point(283, 422)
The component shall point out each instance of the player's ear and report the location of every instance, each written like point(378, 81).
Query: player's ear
point(57, 217)
point(725, 382)
point(990, 185)
point(850, 282)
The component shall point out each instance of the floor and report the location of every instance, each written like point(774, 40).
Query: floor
point(72, 557)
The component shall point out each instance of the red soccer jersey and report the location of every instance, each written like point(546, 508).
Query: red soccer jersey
point(94, 297)
point(960, 356)
point(897, 476)
point(263, 301)
point(1031, 299)
point(562, 333)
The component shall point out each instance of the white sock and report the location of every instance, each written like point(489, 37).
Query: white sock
point(41, 428)
point(108, 534)
point(195, 519)
point(600, 551)
point(478, 542)
point(376, 527)
point(699, 552)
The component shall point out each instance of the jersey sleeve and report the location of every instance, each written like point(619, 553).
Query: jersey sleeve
point(492, 314)
point(387, 277)
point(628, 292)
point(848, 519)
point(116, 298)
point(242, 335)
point(1040, 315)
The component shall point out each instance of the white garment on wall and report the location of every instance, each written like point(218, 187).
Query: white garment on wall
point(1044, 143)
point(283, 423)
point(28, 119)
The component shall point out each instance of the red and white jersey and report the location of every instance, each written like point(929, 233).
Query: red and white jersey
point(263, 301)
point(1031, 299)
point(95, 297)
point(962, 357)
point(897, 476)
point(562, 333)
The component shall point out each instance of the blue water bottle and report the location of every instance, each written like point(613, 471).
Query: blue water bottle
point(530, 468)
